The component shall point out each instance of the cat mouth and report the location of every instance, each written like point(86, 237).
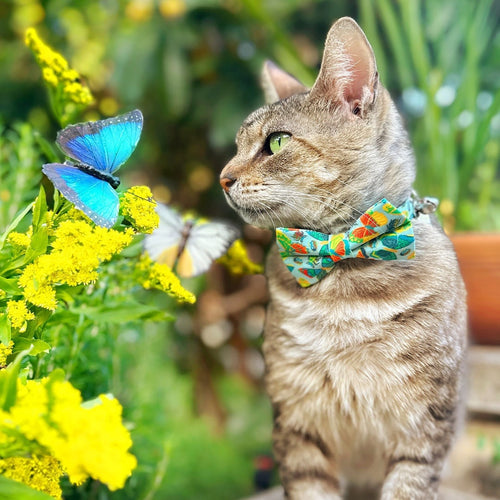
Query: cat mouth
point(256, 215)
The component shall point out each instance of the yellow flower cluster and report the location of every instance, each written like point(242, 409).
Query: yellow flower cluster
point(19, 314)
point(21, 240)
point(87, 440)
point(40, 473)
point(237, 260)
point(77, 251)
point(56, 72)
point(171, 9)
point(5, 351)
point(161, 277)
point(138, 206)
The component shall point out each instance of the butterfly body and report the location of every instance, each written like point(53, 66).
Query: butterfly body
point(189, 245)
point(113, 181)
point(99, 149)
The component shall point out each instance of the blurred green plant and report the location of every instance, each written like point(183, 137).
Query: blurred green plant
point(439, 54)
point(491, 444)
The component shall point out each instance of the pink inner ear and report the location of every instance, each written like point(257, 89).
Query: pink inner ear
point(284, 84)
point(348, 73)
point(362, 69)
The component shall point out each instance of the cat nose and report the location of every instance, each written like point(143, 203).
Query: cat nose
point(226, 182)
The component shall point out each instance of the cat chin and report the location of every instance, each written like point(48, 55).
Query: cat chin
point(250, 216)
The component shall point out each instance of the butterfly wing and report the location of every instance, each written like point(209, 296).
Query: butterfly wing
point(206, 242)
point(163, 244)
point(104, 144)
point(95, 197)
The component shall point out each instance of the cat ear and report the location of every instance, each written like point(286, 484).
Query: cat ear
point(348, 74)
point(278, 84)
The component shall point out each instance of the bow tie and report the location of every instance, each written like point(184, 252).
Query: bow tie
point(383, 232)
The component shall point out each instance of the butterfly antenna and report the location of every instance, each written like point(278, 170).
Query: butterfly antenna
point(150, 199)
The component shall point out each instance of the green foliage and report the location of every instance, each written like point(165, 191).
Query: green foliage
point(20, 172)
point(443, 65)
point(12, 490)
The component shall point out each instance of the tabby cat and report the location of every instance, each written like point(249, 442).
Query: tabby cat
point(364, 367)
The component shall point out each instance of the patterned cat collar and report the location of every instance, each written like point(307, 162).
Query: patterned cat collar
point(383, 232)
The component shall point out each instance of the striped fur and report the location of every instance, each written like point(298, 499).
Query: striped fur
point(364, 369)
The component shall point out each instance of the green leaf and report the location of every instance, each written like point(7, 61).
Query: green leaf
point(122, 313)
point(38, 244)
point(9, 285)
point(14, 490)
point(14, 224)
point(5, 329)
point(8, 382)
point(47, 148)
point(41, 316)
point(40, 209)
point(39, 346)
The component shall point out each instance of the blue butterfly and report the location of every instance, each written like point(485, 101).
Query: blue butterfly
point(99, 148)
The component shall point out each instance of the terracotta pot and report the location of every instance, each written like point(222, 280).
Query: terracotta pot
point(479, 259)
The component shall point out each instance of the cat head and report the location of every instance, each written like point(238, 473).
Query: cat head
point(318, 158)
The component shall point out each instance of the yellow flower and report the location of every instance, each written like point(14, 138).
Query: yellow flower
point(36, 285)
point(139, 10)
point(237, 260)
point(77, 251)
point(86, 439)
point(19, 314)
point(40, 473)
point(172, 8)
point(20, 240)
point(138, 206)
point(100, 451)
point(56, 71)
point(5, 351)
point(160, 276)
point(50, 77)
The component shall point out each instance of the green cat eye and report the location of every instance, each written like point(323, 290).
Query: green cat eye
point(276, 141)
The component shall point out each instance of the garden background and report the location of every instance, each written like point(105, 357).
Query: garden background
point(191, 384)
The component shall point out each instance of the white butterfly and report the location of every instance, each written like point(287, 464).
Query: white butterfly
point(190, 244)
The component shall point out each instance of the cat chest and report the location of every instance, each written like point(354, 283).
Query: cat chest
point(341, 371)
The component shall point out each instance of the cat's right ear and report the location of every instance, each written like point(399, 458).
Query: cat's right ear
point(278, 84)
point(348, 76)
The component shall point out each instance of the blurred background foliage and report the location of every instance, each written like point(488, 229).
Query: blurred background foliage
point(191, 389)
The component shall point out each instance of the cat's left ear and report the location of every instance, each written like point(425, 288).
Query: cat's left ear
point(348, 74)
point(278, 84)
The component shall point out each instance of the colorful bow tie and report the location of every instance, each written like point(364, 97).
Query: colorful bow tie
point(383, 232)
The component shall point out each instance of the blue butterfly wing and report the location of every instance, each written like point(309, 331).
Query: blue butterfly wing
point(95, 197)
point(104, 144)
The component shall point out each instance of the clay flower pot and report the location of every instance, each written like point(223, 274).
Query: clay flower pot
point(479, 259)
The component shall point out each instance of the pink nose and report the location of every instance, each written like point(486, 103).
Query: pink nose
point(226, 183)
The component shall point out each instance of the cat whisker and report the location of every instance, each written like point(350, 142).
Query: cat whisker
point(326, 202)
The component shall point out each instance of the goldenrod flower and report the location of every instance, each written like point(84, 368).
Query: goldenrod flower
point(40, 473)
point(77, 251)
point(160, 276)
point(237, 260)
point(36, 285)
point(62, 81)
point(87, 440)
point(138, 206)
point(19, 314)
point(21, 240)
point(5, 351)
